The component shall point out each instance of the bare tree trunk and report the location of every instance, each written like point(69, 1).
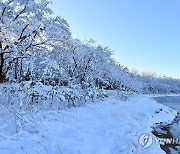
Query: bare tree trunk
point(16, 70)
point(2, 77)
point(85, 70)
point(21, 69)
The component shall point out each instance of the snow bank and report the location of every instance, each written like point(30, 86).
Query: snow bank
point(36, 96)
point(110, 126)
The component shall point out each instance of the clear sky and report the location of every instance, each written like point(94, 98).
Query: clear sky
point(144, 34)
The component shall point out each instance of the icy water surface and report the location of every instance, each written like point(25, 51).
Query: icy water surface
point(171, 101)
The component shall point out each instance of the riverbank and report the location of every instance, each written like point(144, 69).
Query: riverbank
point(109, 126)
point(169, 130)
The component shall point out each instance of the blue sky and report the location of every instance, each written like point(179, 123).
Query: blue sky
point(144, 34)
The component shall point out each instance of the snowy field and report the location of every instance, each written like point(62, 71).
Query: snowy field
point(105, 127)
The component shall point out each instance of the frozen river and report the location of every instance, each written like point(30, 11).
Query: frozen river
point(171, 101)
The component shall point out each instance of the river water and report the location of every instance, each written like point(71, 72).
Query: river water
point(171, 101)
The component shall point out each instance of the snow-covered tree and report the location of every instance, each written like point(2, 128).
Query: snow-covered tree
point(26, 26)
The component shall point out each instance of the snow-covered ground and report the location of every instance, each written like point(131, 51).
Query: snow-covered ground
point(105, 127)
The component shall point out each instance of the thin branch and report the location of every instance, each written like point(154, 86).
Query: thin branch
point(20, 13)
point(5, 8)
point(6, 47)
point(20, 37)
point(3, 11)
point(36, 32)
